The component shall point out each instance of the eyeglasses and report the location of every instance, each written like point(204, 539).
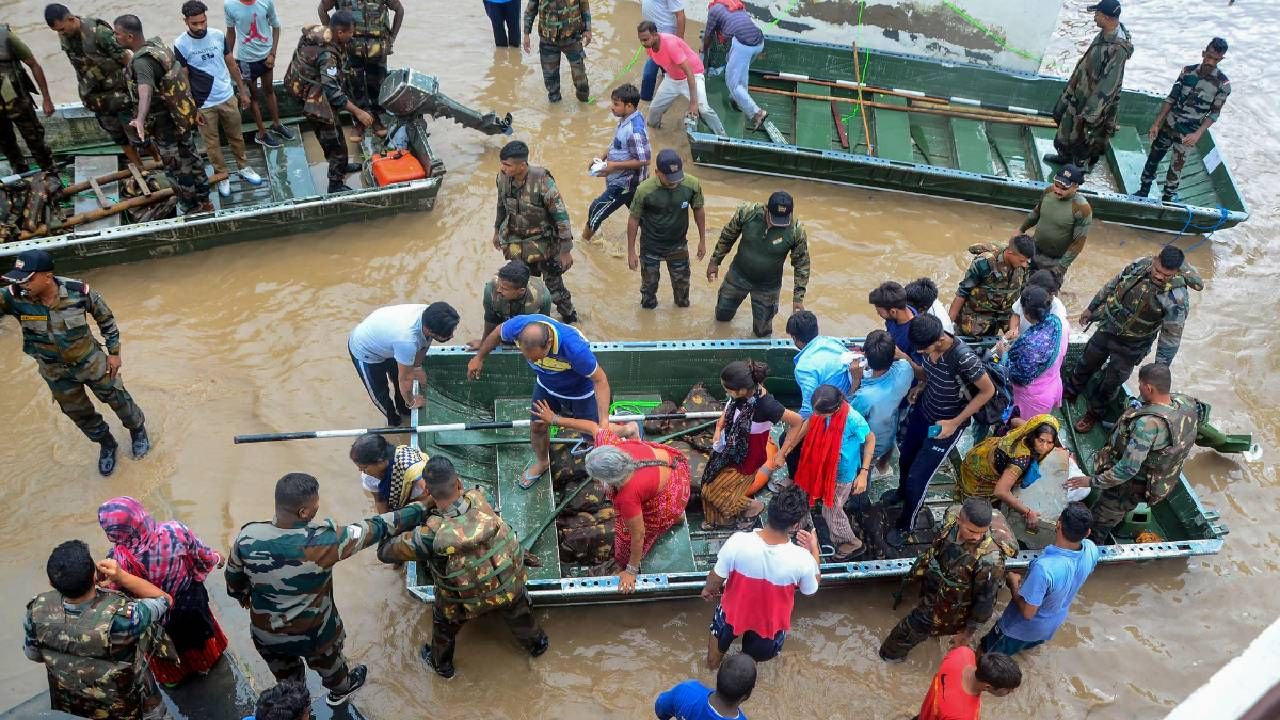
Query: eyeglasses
point(1062, 184)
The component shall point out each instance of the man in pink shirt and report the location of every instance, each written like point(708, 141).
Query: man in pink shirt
point(759, 572)
point(684, 77)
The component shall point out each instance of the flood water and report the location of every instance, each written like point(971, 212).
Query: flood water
point(252, 338)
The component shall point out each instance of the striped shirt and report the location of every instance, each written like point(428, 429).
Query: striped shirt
point(737, 25)
point(946, 389)
point(630, 142)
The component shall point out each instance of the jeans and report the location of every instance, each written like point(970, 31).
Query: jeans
point(736, 74)
point(670, 89)
point(505, 19)
point(997, 641)
point(649, 80)
point(919, 457)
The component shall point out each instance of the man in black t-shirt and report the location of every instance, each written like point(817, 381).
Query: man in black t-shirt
point(944, 400)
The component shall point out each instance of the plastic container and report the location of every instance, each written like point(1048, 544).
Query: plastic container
point(398, 166)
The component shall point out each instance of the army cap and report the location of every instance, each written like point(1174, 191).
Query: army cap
point(779, 209)
point(1110, 8)
point(29, 263)
point(1070, 175)
point(671, 165)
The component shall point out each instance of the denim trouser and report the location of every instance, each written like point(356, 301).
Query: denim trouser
point(736, 74)
point(649, 81)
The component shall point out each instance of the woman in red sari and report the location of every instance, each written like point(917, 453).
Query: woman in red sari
point(172, 558)
point(650, 486)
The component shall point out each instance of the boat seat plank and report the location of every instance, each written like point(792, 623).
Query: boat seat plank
point(525, 510)
point(1127, 156)
point(1042, 144)
point(973, 149)
point(88, 167)
point(289, 172)
point(814, 126)
point(893, 131)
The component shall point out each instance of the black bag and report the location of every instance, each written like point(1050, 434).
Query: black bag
point(1000, 406)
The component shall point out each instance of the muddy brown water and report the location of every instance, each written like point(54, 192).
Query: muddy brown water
point(252, 338)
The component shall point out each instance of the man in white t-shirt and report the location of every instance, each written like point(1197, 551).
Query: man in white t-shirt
point(253, 29)
point(668, 15)
point(215, 81)
point(388, 347)
point(923, 293)
point(759, 572)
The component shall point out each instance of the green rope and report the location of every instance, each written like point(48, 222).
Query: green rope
point(996, 37)
point(626, 69)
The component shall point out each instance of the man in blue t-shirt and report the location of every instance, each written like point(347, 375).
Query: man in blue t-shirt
point(1040, 601)
point(568, 378)
point(691, 700)
point(878, 394)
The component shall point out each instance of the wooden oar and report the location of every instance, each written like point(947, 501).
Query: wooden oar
point(912, 95)
point(105, 179)
point(93, 215)
point(1009, 119)
point(487, 425)
point(862, 106)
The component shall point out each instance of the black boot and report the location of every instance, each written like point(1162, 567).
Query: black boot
point(445, 671)
point(352, 168)
point(336, 187)
point(1166, 197)
point(1055, 159)
point(141, 443)
point(1144, 190)
point(540, 646)
point(107, 455)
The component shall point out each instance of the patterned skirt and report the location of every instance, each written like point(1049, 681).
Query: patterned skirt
point(660, 513)
point(725, 497)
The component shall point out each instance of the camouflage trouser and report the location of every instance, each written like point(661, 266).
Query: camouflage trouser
point(182, 164)
point(23, 117)
point(549, 53)
point(553, 275)
point(1113, 504)
point(518, 616)
point(1121, 355)
point(1080, 143)
point(912, 630)
point(335, 150)
point(764, 302)
point(1165, 141)
point(67, 383)
point(1053, 265)
point(651, 272)
point(326, 660)
point(975, 324)
point(369, 74)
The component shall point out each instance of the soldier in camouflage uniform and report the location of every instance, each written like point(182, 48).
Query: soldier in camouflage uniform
point(319, 75)
point(660, 213)
point(1147, 299)
point(769, 234)
point(1061, 218)
point(532, 224)
point(1193, 105)
point(961, 573)
point(54, 315)
point(992, 284)
point(94, 642)
point(166, 112)
point(100, 64)
point(1086, 111)
point(282, 571)
point(564, 27)
point(17, 109)
point(1143, 459)
point(375, 34)
point(511, 293)
point(476, 564)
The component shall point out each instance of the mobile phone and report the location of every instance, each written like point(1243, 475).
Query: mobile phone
point(935, 430)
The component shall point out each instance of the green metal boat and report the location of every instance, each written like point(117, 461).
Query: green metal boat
point(291, 200)
point(643, 373)
point(956, 153)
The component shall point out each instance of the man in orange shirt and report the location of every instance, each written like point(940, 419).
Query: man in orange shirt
point(956, 691)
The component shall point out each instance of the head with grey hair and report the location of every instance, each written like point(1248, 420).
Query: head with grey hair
point(610, 465)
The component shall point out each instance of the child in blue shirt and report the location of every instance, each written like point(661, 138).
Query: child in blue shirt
point(691, 700)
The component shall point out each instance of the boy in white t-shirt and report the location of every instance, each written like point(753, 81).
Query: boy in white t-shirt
point(1047, 280)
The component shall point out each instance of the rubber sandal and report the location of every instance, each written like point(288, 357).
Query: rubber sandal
point(527, 482)
point(1086, 422)
point(760, 123)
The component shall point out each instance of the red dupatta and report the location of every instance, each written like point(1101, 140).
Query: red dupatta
point(820, 455)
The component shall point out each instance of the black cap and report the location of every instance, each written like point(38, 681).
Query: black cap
point(1110, 8)
point(514, 150)
point(1218, 45)
point(780, 207)
point(1070, 174)
point(29, 263)
point(670, 165)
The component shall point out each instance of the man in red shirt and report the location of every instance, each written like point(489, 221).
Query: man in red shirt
point(685, 77)
point(956, 691)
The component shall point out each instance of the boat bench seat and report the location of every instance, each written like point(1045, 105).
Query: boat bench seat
point(289, 171)
point(973, 149)
point(525, 510)
point(1127, 157)
point(893, 131)
point(814, 125)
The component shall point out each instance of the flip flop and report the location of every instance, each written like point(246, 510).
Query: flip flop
point(527, 482)
point(1086, 422)
point(760, 123)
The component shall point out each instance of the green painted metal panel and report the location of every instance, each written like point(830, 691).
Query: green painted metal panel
point(290, 171)
point(973, 151)
point(673, 552)
point(525, 510)
point(815, 128)
point(893, 131)
point(1127, 156)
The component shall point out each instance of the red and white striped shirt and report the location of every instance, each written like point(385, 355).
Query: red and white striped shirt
point(761, 581)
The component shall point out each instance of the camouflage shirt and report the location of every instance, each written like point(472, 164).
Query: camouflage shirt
point(991, 285)
point(961, 581)
point(336, 77)
point(60, 335)
point(558, 20)
point(1094, 88)
point(1195, 97)
point(533, 207)
point(759, 259)
point(497, 310)
point(128, 625)
point(99, 62)
point(1133, 305)
point(1149, 444)
point(286, 574)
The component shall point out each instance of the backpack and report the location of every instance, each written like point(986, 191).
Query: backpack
point(1000, 406)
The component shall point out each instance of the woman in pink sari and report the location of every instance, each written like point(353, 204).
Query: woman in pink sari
point(649, 483)
point(1035, 358)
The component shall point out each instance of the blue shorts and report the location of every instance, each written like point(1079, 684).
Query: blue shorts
point(584, 409)
point(997, 641)
point(757, 647)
